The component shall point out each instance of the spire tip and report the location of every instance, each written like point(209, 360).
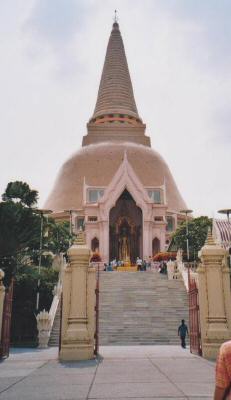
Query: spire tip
point(115, 17)
point(115, 24)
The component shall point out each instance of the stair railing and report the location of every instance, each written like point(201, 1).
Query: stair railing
point(183, 269)
point(184, 273)
point(45, 319)
point(172, 270)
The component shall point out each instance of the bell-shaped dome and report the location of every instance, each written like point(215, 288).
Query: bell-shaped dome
point(98, 164)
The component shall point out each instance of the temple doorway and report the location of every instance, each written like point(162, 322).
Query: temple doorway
point(155, 246)
point(125, 221)
point(95, 245)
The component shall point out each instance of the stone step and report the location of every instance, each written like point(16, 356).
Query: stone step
point(54, 338)
point(140, 308)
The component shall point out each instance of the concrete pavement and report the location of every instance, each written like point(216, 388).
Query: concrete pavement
point(121, 372)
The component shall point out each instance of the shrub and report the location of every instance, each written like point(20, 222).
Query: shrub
point(95, 257)
point(165, 256)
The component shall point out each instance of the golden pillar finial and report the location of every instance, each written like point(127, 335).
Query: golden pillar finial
point(209, 240)
point(80, 238)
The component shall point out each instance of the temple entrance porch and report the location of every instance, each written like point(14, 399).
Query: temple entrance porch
point(125, 230)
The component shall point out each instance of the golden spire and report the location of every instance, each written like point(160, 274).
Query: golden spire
point(115, 95)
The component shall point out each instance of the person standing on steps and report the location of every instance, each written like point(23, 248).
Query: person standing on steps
point(139, 264)
point(182, 332)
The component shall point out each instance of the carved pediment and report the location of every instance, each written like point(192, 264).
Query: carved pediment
point(124, 178)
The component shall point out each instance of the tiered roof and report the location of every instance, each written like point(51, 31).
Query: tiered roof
point(222, 232)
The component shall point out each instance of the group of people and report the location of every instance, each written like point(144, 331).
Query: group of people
point(143, 265)
point(112, 265)
point(162, 267)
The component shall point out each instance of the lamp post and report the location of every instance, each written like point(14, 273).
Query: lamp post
point(226, 211)
point(70, 211)
point(186, 212)
point(41, 212)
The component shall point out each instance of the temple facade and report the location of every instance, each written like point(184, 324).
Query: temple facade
point(117, 188)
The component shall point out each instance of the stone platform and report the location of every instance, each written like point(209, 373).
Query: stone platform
point(121, 372)
point(131, 268)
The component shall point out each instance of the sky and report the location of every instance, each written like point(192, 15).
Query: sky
point(179, 57)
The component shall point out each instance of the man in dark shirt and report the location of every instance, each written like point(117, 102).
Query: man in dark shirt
point(182, 331)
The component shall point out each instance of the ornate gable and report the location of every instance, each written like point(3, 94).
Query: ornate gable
point(124, 178)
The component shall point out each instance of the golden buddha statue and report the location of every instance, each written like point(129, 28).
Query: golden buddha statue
point(124, 250)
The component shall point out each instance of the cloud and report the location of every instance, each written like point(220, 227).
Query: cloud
point(215, 38)
point(53, 28)
point(56, 21)
point(221, 125)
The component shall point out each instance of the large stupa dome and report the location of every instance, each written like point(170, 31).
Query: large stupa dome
point(98, 163)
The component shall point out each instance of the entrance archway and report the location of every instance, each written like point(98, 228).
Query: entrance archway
point(125, 221)
point(155, 246)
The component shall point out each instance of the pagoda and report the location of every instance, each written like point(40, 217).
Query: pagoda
point(116, 187)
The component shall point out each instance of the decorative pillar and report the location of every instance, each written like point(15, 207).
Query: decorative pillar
point(77, 338)
point(2, 297)
point(214, 297)
point(104, 240)
point(150, 241)
point(147, 227)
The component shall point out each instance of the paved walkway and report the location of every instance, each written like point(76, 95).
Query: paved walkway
point(134, 372)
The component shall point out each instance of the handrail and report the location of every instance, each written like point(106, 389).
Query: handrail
point(178, 267)
point(184, 273)
point(55, 302)
point(183, 269)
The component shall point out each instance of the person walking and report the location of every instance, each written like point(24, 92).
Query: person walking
point(182, 332)
point(223, 373)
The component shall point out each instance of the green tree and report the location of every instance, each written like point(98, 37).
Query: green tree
point(19, 225)
point(197, 232)
point(19, 255)
point(58, 237)
point(20, 191)
point(20, 230)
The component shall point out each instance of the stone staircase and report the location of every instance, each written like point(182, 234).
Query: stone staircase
point(140, 308)
point(137, 308)
point(54, 338)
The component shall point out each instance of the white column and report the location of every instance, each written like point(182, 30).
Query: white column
point(2, 297)
point(104, 240)
point(147, 238)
